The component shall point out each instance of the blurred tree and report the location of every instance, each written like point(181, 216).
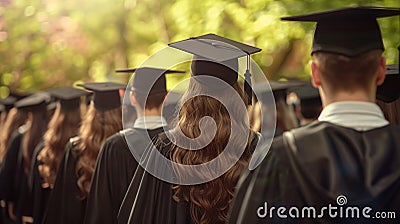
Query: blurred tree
point(50, 43)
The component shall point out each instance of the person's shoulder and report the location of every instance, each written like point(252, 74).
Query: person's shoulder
point(116, 144)
point(23, 129)
point(326, 129)
point(394, 128)
point(17, 134)
point(74, 141)
point(72, 147)
point(163, 140)
point(130, 134)
point(117, 138)
point(312, 128)
point(284, 144)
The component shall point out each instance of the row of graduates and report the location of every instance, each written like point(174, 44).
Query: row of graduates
point(75, 188)
point(49, 172)
point(35, 150)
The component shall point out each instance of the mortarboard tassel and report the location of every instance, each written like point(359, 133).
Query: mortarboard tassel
point(247, 83)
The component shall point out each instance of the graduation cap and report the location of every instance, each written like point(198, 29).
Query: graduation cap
point(68, 97)
point(106, 94)
point(310, 100)
point(33, 102)
point(306, 92)
point(8, 102)
point(347, 31)
point(218, 57)
point(149, 80)
point(279, 88)
point(389, 90)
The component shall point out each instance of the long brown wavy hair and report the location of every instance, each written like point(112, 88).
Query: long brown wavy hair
point(38, 120)
point(96, 127)
point(63, 125)
point(15, 118)
point(209, 202)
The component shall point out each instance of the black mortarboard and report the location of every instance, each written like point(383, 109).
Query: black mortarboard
point(218, 57)
point(69, 97)
point(389, 91)
point(310, 100)
point(8, 102)
point(306, 92)
point(36, 101)
point(149, 80)
point(347, 31)
point(279, 88)
point(106, 94)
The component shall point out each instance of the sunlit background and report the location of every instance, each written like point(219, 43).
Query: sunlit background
point(51, 43)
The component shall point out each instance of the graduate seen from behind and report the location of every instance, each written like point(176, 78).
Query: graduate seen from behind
point(116, 165)
point(285, 117)
point(47, 156)
point(150, 199)
point(15, 118)
point(16, 167)
point(67, 201)
point(343, 168)
point(309, 106)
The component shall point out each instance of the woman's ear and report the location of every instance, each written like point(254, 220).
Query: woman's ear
point(315, 74)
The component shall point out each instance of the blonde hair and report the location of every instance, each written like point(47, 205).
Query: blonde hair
point(15, 118)
point(63, 125)
point(255, 116)
point(96, 127)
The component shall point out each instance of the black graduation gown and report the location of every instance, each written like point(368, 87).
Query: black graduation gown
point(23, 192)
point(324, 162)
point(9, 167)
point(8, 170)
point(40, 195)
point(115, 167)
point(17, 190)
point(149, 199)
point(64, 204)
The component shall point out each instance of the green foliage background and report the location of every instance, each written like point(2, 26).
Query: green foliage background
point(52, 43)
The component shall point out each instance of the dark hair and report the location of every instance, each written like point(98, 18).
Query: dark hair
point(348, 73)
point(311, 108)
point(34, 135)
point(154, 100)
